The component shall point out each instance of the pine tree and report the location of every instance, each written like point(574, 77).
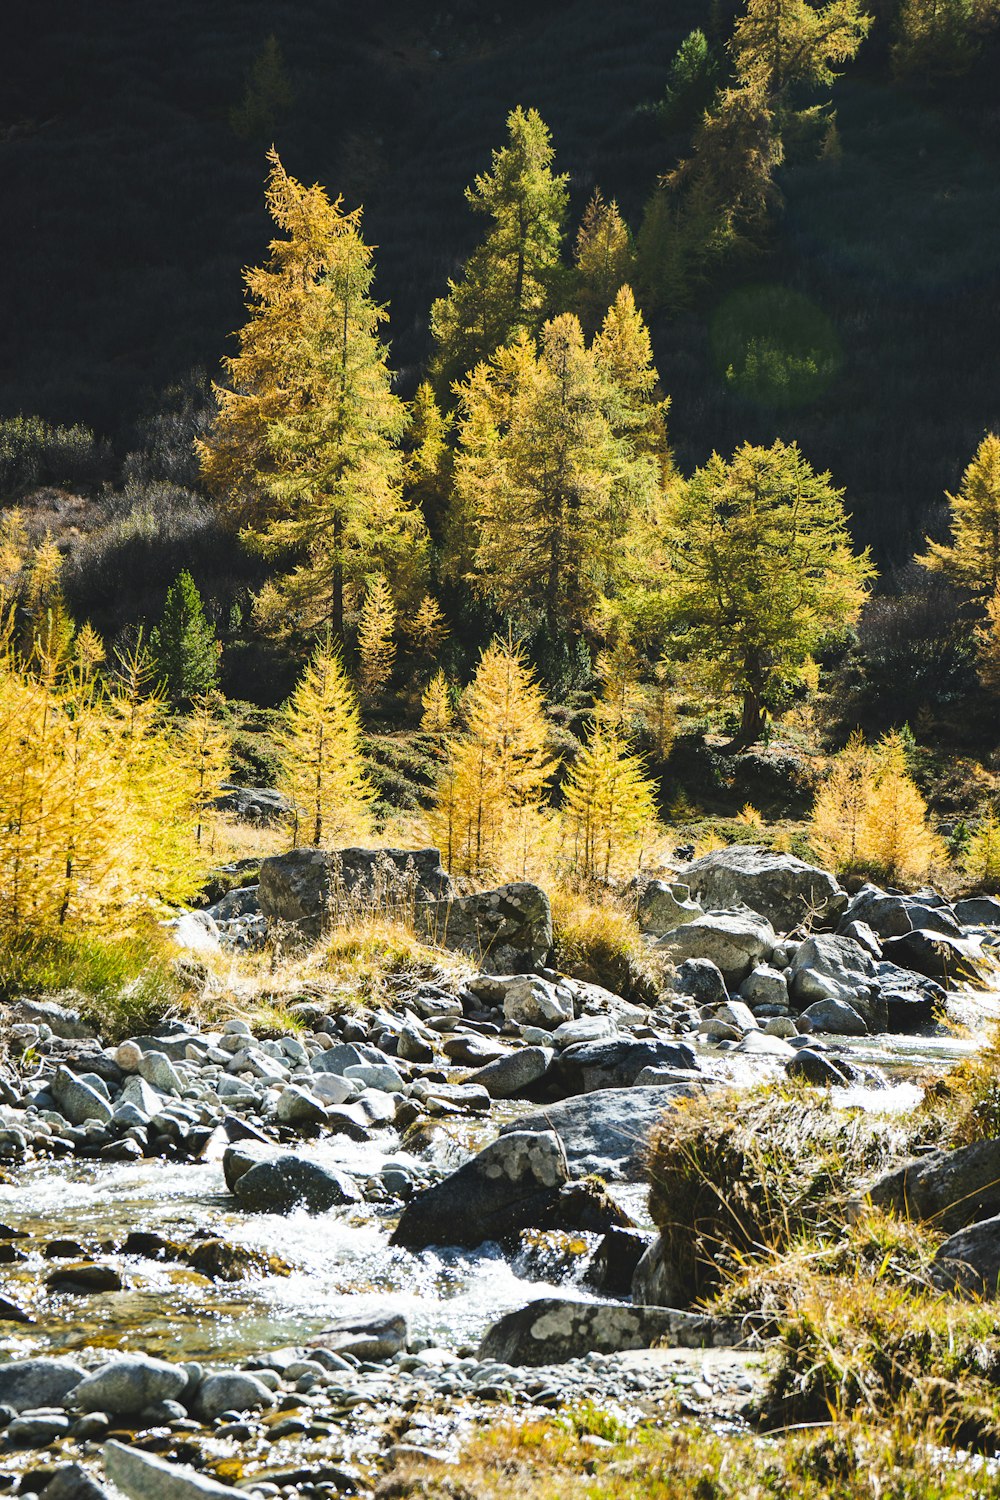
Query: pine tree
point(617, 708)
point(306, 444)
point(323, 769)
point(438, 715)
point(184, 644)
point(972, 560)
point(760, 573)
point(490, 793)
point(376, 647)
point(545, 488)
point(429, 460)
point(509, 284)
point(609, 809)
point(268, 95)
point(623, 354)
point(604, 261)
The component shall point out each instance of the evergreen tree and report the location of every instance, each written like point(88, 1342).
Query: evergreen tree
point(489, 795)
point(604, 260)
point(972, 560)
point(429, 460)
point(545, 487)
point(323, 769)
point(184, 644)
point(760, 574)
point(609, 807)
point(623, 354)
point(509, 284)
point(268, 95)
point(429, 629)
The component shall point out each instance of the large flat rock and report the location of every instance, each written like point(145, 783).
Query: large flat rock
point(555, 1329)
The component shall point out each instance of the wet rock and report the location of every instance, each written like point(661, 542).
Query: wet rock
point(911, 1000)
point(661, 907)
point(285, 1183)
point(763, 1044)
point(72, 1482)
point(509, 1186)
point(969, 1261)
point(607, 1132)
point(536, 1002)
point(510, 1075)
point(84, 1278)
point(702, 980)
point(302, 889)
point(836, 1017)
point(592, 1066)
point(614, 1262)
point(141, 1476)
point(371, 1335)
point(298, 1108)
point(27, 1384)
point(507, 931)
point(655, 1282)
point(78, 1101)
point(736, 942)
point(946, 959)
point(447, 1098)
point(954, 1188)
point(779, 887)
point(232, 1390)
point(128, 1385)
point(554, 1330)
point(815, 1068)
point(11, 1313)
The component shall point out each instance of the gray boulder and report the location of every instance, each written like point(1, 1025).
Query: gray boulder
point(61, 1020)
point(736, 942)
point(128, 1385)
point(507, 931)
point(836, 968)
point(72, 1482)
point(978, 911)
point(509, 1076)
point(538, 1002)
point(373, 1335)
point(911, 1000)
point(954, 1188)
point(242, 902)
point(284, 1183)
point(231, 1390)
point(836, 1017)
point(969, 1261)
point(655, 1282)
point(947, 959)
point(140, 1476)
point(607, 1133)
point(556, 1329)
point(661, 907)
point(254, 804)
point(779, 887)
point(298, 1108)
point(701, 980)
point(884, 913)
point(510, 1185)
point(305, 889)
point(764, 986)
point(27, 1384)
point(816, 1068)
point(615, 1064)
point(78, 1101)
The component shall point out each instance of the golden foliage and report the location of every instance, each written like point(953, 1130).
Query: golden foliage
point(972, 560)
point(322, 766)
point(981, 860)
point(438, 715)
point(609, 813)
point(376, 648)
point(869, 815)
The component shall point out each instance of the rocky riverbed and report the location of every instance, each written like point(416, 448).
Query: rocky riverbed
point(282, 1264)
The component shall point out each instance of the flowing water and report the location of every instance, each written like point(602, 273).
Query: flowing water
point(341, 1262)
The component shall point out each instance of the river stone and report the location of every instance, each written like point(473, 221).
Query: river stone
point(297, 1107)
point(764, 986)
point(285, 1183)
point(536, 1002)
point(77, 1100)
point(815, 1068)
point(128, 1385)
point(508, 1076)
point(347, 1055)
point(701, 980)
point(37, 1429)
point(836, 1017)
point(832, 968)
point(586, 1029)
point(885, 914)
point(978, 911)
point(946, 959)
point(413, 1043)
point(660, 909)
point(231, 1390)
point(26, 1384)
point(160, 1073)
point(303, 889)
point(140, 1476)
point(373, 1335)
point(553, 1330)
point(471, 1050)
point(736, 942)
point(507, 931)
point(332, 1088)
point(655, 1282)
point(954, 1188)
point(615, 1064)
point(72, 1482)
point(969, 1261)
point(62, 1020)
point(863, 935)
point(781, 888)
point(911, 1000)
point(507, 1187)
point(607, 1132)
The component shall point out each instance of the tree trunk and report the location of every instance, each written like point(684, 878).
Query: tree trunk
point(751, 725)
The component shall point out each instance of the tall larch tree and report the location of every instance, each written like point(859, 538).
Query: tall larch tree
point(313, 412)
point(322, 767)
point(609, 807)
point(546, 486)
point(971, 560)
point(760, 574)
point(510, 282)
point(604, 260)
point(798, 44)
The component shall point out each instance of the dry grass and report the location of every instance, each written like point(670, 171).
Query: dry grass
point(596, 938)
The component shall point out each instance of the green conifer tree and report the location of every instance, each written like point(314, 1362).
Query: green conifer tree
point(184, 644)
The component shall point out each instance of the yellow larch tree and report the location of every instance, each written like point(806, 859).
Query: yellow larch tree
point(323, 769)
point(490, 793)
point(604, 260)
point(429, 629)
point(981, 860)
point(609, 807)
point(869, 815)
point(376, 644)
point(971, 560)
point(438, 714)
point(206, 745)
